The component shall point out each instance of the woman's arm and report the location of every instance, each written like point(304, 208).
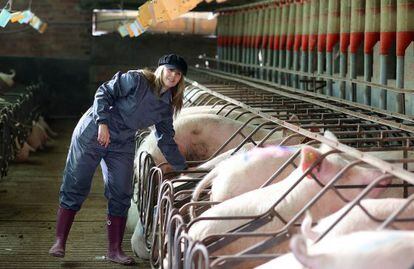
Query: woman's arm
point(120, 85)
point(165, 137)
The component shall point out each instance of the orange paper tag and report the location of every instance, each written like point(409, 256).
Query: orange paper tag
point(146, 14)
point(16, 16)
point(43, 28)
point(128, 28)
point(187, 5)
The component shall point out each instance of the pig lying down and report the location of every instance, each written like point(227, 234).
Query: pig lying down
point(200, 136)
point(358, 220)
point(360, 250)
point(260, 201)
point(244, 172)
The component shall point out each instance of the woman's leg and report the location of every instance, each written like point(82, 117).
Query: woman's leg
point(117, 168)
point(81, 164)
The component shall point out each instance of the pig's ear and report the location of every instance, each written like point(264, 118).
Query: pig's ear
point(325, 148)
point(328, 134)
point(300, 251)
point(308, 156)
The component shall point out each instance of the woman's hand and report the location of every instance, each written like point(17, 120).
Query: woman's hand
point(103, 135)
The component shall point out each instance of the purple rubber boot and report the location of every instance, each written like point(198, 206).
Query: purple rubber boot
point(116, 228)
point(64, 222)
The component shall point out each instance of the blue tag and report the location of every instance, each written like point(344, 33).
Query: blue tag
point(4, 17)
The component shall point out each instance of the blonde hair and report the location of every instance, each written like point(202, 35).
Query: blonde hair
point(156, 83)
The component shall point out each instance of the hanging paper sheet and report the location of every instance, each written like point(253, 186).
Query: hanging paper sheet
point(123, 31)
point(43, 28)
point(16, 16)
point(27, 16)
point(187, 5)
point(36, 23)
point(146, 14)
point(166, 9)
point(5, 16)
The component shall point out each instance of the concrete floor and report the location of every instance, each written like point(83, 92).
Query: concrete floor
point(28, 203)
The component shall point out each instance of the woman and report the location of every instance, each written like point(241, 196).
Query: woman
point(105, 134)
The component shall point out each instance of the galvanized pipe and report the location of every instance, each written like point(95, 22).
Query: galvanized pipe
point(271, 36)
point(405, 34)
point(322, 31)
point(290, 41)
point(297, 41)
point(372, 36)
point(283, 37)
point(276, 42)
point(304, 66)
point(344, 44)
point(313, 34)
point(388, 27)
point(356, 38)
point(332, 39)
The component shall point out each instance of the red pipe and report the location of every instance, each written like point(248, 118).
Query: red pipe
point(283, 36)
point(403, 41)
point(298, 36)
point(387, 37)
point(356, 38)
point(404, 35)
point(290, 37)
point(258, 36)
point(331, 40)
point(372, 36)
point(323, 18)
point(272, 35)
point(305, 37)
point(344, 42)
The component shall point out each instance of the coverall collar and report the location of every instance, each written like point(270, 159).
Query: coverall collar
point(166, 97)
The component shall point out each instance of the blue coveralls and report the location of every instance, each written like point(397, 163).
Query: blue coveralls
point(126, 103)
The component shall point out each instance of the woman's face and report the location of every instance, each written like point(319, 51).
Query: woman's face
point(171, 77)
